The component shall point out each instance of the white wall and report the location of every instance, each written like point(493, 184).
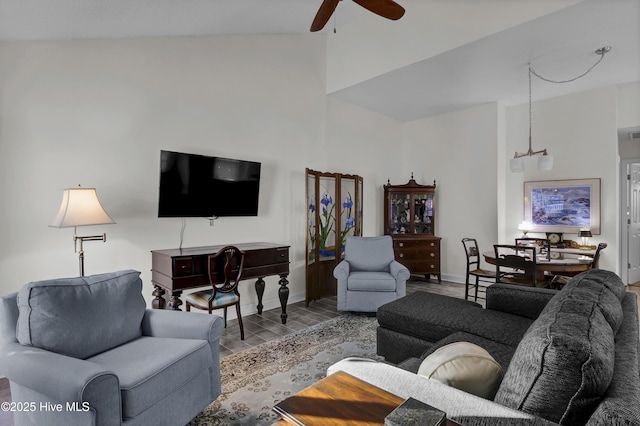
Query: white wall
point(97, 113)
point(368, 144)
point(459, 151)
point(629, 105)
point(579, 130)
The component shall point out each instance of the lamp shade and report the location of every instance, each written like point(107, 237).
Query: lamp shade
point(585, 233)
point(516, 165)
point(80, 207)
point(545, 162)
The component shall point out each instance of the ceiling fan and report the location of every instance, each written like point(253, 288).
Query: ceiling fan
point(386, 8)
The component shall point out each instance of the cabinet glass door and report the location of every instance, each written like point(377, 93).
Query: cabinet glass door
point(423, 214)
point(400, 213)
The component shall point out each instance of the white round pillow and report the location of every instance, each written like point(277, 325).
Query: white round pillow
point(464, 366)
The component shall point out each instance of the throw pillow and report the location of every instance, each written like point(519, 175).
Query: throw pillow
point(464, 366)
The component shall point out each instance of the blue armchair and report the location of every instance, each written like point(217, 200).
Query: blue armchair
point(86, 351)
point(369, 276)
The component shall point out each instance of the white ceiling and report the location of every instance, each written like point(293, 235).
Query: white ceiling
point(559, 46)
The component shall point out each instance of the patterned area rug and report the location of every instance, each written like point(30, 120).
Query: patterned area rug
point(255, 380)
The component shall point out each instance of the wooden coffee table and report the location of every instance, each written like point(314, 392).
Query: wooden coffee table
point(339, 399)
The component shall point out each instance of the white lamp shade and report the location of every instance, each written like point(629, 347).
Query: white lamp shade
point(80, 207)
point(545, 162)
point(517, 165)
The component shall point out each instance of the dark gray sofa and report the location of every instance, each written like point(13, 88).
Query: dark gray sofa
point(570, 357)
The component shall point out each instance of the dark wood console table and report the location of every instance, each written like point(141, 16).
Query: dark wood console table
point(175, 270)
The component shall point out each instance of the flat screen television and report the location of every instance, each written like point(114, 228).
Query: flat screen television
point(194, 185)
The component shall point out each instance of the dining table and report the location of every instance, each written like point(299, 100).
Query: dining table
point(558, 261)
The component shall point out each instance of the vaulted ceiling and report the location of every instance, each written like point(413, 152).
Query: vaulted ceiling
point(488, 63)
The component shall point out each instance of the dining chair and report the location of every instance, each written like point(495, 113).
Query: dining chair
point(516, 264)
point(474, 269)
point(559, 281)
point(225, 272)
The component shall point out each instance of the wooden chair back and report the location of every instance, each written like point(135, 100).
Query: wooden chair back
point(516, 264)
point(472, 252)
point(596, 257)
point(225, 269)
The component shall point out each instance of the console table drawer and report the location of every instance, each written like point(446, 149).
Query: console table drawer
point(267, 257)
point(182, 266)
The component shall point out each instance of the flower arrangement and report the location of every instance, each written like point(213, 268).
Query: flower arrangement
point(328, 220)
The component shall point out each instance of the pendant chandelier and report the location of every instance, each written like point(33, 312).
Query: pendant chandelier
point(545, 161)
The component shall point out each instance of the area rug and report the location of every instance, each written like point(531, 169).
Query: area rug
point(253, 381)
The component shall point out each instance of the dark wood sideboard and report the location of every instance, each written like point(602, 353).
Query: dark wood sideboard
point(175, 270)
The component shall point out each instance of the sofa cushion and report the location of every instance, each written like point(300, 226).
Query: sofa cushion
point(369, 253)
point(599, 286)
point(433, 317)
point(464, 366)
point(81, 316)
point(371, 281)
point(150, 368)
point(565, 362)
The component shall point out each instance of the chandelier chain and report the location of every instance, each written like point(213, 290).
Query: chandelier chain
point(600, 52)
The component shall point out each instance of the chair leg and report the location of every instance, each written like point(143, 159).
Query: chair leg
point(466, 288)
point(240, 321)
point(477, 284)
point(225, 317)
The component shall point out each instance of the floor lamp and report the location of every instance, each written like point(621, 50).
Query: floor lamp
point(81, 207)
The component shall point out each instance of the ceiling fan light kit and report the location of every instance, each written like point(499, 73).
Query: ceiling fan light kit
point(545, 161)
point(386, 8)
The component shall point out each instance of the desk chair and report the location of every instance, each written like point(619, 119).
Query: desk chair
point(224, 272)
point(474, 269)
point(516, 264)
point(559, 281)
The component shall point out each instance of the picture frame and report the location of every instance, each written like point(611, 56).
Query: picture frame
point(563, 205)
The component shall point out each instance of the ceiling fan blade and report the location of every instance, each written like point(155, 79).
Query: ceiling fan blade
point(324, 13)
point(386, 8)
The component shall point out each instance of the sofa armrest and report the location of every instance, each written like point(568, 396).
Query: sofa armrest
point(182, 325)
point(188, 325)
point(341, 271)
point(463, 407)
point(518, 300)
point(399, 271)
point(64, 379)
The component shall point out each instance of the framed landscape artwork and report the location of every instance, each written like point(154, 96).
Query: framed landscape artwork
point(563, 205)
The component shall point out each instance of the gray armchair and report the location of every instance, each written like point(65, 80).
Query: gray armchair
point(89, 347)
point(369, 276)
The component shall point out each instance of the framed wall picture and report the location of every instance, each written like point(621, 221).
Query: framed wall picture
point(563, 205)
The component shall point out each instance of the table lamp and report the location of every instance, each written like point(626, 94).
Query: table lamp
point(81, 207)
point(525, 227)
point(585, 233)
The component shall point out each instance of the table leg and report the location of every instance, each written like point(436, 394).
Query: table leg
point(260, 292)
point(174, 301)
point(158, 301)
point(283, 293)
